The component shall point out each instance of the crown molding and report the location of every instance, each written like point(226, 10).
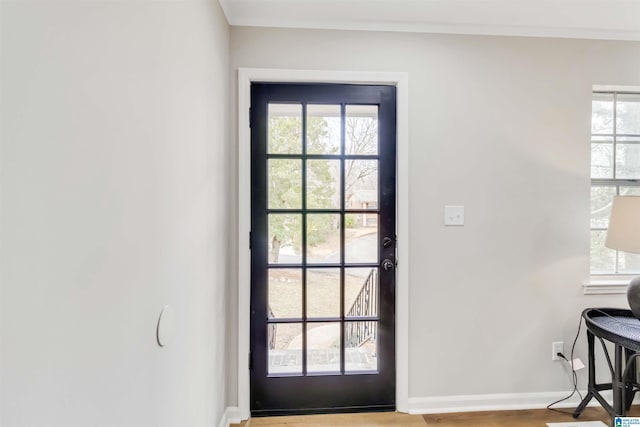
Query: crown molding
point(447, 19)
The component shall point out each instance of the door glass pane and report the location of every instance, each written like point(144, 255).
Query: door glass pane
point(323, 347)
point(601, 157)
point(628, 158)
point(323, 238)
point(323, 129)
point(285, 128)
point(323, 292)
point(323, 184)
point(602, 113)
point(285, 238)
point(361, 129)
point(361, 184)
point(601, 199)
point(361, 340)
point(628, 114)
point(285, 350)
point(361, 292)
point(285, 293)
point(603, 259)
point(285, 184)
point(361, 238)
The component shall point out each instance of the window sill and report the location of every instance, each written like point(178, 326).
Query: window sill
point(607, 285)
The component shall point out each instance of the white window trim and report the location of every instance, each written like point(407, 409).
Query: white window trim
point(401, 82)
point(609, 284)
point(614, 88)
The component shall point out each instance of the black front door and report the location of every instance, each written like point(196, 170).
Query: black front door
point(323, 179)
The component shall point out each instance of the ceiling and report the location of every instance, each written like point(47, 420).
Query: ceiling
point(592, 19)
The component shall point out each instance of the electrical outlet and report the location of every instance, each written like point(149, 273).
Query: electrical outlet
point(556, 347)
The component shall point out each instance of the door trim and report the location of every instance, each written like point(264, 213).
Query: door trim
point(401, 81)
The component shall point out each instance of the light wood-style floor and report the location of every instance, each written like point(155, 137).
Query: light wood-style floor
point(528, 418)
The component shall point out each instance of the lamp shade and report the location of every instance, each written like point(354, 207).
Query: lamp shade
point(624, 224)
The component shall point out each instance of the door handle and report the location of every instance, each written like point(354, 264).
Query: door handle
point(387, 264)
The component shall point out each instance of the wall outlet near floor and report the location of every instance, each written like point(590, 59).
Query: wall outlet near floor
point(556, 347)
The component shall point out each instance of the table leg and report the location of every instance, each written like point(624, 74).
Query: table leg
point(619, 383)
point(631, 379)
point(592, 376)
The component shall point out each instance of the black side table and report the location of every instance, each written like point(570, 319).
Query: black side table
point(622, 328)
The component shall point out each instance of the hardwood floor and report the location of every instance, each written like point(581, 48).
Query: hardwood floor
point(354, 420)
point(527, 418)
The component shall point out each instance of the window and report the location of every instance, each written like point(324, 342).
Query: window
point(615, 170)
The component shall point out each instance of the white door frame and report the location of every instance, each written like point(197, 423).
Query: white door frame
point(401, 81)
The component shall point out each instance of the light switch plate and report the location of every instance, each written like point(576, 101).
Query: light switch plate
point(454, 215)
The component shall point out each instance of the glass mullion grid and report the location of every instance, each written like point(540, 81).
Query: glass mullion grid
point(610, 182)
point(614, 182)
point(606, 183)
point(327, 265)
point(328, 156)
point(342, 211)
point(615, 153)
point(617, 183)
point(323, 319)
point(324, 211)
point(304, 239)
point(301, 211)
point(343, 150)
point(620, 135)
point(363, 319)
point(616, 268)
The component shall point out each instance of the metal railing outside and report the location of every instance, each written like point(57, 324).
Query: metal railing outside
point(356, 332)
point(365, 304)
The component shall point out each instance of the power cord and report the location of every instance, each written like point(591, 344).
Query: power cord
point(573, 371)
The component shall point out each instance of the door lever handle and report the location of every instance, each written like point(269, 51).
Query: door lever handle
point(387, 264)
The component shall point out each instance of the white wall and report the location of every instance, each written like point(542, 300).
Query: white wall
point(500, 125)
point(114, 185)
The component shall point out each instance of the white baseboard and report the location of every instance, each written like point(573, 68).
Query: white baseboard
point(469, 403)
point(230, 416)
point(496, 402)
